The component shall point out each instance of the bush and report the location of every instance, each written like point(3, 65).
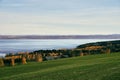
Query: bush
point(1, 62)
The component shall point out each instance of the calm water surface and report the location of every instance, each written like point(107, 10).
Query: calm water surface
point(14, 45)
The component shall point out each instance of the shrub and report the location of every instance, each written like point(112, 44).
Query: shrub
point(1, 62)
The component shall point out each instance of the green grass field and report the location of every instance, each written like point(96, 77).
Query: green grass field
point(92, 67)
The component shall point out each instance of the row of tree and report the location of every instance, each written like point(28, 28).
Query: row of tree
point(86, 49)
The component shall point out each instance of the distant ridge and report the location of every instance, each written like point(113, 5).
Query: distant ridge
point(112, 36)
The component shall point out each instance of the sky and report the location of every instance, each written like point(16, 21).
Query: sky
point(59, 17)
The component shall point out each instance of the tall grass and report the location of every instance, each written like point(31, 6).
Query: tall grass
point(92, 67)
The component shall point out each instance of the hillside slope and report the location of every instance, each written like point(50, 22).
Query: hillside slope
point(101, 47)
point(92, 67)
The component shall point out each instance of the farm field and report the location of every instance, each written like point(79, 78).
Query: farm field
point(91, 67)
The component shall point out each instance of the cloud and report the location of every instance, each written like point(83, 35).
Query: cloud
point(85, 17)
point(59, 17)
point(59, 4)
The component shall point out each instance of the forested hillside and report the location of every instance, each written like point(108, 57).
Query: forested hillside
point(101, 47)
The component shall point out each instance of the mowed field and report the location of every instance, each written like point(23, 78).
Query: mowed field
point(91, 67)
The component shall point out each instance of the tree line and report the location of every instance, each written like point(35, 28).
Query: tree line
point(81, 50)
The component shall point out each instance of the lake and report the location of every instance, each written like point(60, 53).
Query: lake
point(17, 45)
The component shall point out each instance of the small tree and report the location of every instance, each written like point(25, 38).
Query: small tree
point(12, 61)
point(81, 53)
point(1, 62)
point(39, 58)
point(24, 60)
point(108, 51)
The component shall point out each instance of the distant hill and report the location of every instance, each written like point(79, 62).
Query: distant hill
point(113, 36)
point(101, 47)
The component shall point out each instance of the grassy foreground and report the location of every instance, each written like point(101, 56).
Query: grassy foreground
point(92, 67)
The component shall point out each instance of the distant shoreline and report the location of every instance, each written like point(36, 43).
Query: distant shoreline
point(3, 54)
point(112, 36)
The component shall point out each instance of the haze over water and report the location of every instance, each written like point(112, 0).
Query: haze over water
point(14, 45)
point(56, 17)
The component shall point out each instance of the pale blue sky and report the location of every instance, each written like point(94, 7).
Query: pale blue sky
point(62, 17)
